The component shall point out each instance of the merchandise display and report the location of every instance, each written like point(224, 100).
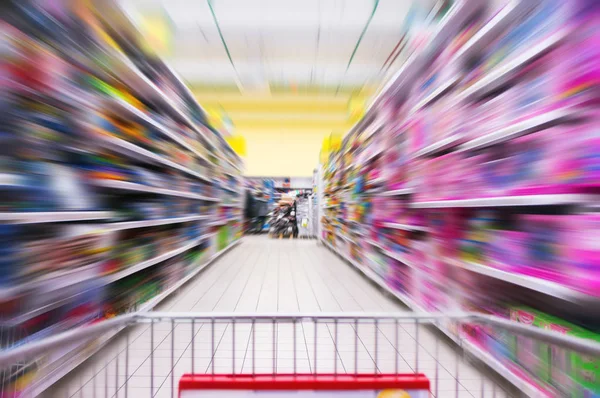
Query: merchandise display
point(111, 178)
point(566, 373)
point(448, 244)
point(479, 165)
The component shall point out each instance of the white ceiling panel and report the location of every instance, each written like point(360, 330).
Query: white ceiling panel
point(301, 42)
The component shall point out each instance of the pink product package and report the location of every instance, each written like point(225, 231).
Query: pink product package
point(586, 154)
point(442, 119)
point(581, 63)
point(432, 178)
point(444, 167)
point(419, 176)
point(448, 165)
point(538, 89)
point(508, 251)
point(418, 255)
point(547, 242)
point(413, 142)
point(422, 130)
point(470, 179)
point(583, 250)
point(532, 162)
point(489, 116)
point(425, 294)
point(575, 157)
point(457, 168)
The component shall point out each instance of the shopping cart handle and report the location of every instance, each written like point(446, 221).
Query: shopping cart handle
point(199, 385)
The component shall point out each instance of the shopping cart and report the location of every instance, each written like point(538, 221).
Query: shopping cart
point(206, 355)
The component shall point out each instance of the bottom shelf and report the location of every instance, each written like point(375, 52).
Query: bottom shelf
point(527, 388)
point(155, 301)
point(78, 358)
point(378, 280)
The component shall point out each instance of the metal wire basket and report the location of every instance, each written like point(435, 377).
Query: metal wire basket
point(157, 354)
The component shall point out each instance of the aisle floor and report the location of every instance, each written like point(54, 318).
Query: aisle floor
point(262, 275)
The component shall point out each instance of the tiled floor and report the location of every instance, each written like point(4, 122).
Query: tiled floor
point(267, 276)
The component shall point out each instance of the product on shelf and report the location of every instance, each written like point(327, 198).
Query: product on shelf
point(91, 156)
point(476, 177)
point(566, 372)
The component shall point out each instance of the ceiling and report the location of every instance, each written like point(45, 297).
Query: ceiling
point(338, 45)
point(286, 73)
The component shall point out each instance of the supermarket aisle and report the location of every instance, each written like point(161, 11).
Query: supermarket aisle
point(264, 275)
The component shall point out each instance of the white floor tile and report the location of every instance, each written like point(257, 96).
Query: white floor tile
point(283, 276)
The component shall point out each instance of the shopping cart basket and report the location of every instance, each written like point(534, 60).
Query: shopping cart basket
point(370, 355)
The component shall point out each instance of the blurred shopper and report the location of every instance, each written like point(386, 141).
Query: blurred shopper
point(295, 218)
point(249, 211)
point(262, 212)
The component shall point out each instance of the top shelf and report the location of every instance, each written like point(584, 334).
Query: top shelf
point(123, 67)
point(503, 201)
point(460, 12)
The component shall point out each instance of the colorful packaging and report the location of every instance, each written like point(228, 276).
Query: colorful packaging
point(574, 374)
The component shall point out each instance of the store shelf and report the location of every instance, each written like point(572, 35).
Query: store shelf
point(504, 73)
point(344, 237)
point(129, 149)
point(406, 227)
point(373, 243)
point(519, 129)
point(526, 388)
point(441, 145)
point(160, 127)
point(234, 205)
point(395, 192)
point(456, 16)
point(72, 361)
point(170, 107)
point(153, 261)
point(372, 155)
point(398, 257)
point(155, 301)
point(222, 222)
point(226, 188)
point(377, 181)
point(401, 81)
point(549, 288)
point(133, 77)
point(525, 200)
point(54, 281)
point(467, 345)
point(377, 279)
point(84, 354)
point(442, 89)
point(49, 283)
point(53, 216)
point(134, 187)
point(492, 29)
point(478, 353)
point(119, 226)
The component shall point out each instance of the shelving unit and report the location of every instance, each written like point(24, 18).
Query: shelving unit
point(129, 149)
point(417, 172)
point(79, 355)
point(41, 217)
point(130, 186)
point(405, 227)
point(553, 289)
point(153, 261)
point(503, 201)
point(145, 195)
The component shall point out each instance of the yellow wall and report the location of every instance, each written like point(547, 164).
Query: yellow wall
point(283, 131)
